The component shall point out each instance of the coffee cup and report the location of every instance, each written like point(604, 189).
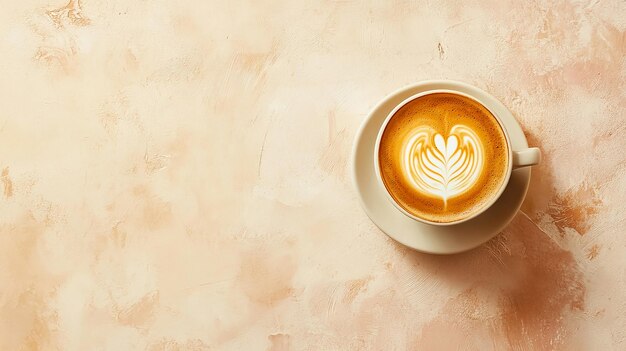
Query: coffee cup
point(444, 157)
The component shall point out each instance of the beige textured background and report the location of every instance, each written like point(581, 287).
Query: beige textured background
point(175, 176)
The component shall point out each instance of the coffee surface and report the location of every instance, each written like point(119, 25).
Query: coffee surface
point(443, 157)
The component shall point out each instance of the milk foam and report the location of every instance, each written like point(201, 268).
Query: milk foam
point(443, 167)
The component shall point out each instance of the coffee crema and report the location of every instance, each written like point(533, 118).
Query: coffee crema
point(443, 157)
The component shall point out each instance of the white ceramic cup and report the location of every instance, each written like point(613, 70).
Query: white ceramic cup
point(518, 158)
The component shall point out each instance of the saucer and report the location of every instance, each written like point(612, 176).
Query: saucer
point(426, 237)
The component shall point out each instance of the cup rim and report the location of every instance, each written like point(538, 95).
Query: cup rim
point(503, 185)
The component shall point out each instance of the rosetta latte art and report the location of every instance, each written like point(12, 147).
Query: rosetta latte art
point(443, 167)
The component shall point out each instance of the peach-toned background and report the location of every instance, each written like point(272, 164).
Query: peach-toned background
point(175, 176)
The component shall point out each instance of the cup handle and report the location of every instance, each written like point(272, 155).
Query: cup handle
point(527, 157)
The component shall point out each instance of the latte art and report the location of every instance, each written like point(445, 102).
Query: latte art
point(439, 167)
point(443, 157)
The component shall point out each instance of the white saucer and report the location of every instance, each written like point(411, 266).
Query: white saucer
point(425, 237)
